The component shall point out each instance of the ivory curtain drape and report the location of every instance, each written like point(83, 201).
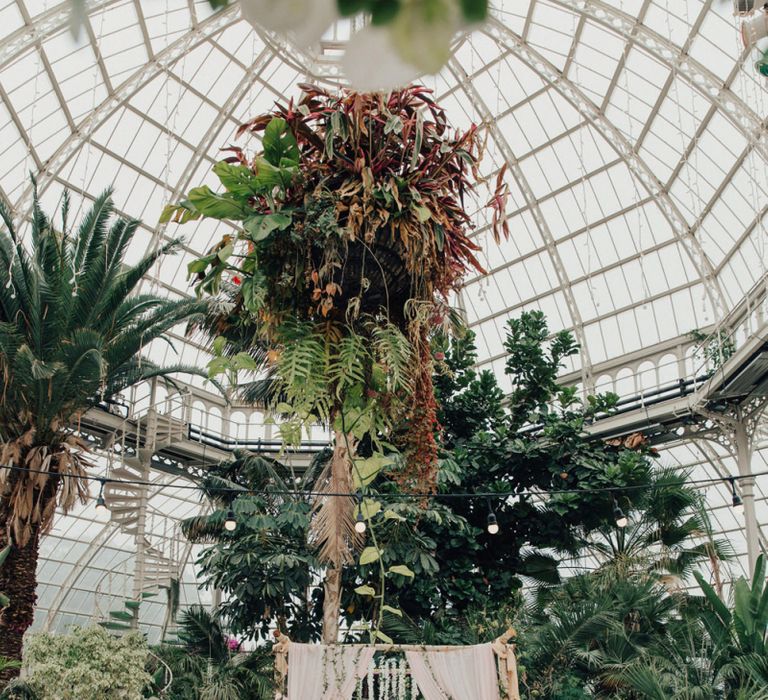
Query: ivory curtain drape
point(466, 673)
point(320, 672)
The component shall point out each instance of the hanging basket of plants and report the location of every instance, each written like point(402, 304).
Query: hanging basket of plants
point(352, 229)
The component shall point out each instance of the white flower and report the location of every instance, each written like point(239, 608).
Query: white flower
point(371, 62)
point(306, 20)
point(423, 30)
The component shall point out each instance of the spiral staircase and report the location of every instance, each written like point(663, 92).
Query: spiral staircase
point(156, 571)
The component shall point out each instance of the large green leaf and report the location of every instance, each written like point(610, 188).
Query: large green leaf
point(369, 508)
point(384, 637)
point(4, 552)
point(259, 226)
point(390, 609)
point(369, 555)
point(280, 147)
point(718, 606)
point(269, 176)
point(238, 180)
point(401, 570)
point(181, 213)
point(392, 515)
point(254, 294)
point(366, 470)
point(217, 206)
point(243, 360)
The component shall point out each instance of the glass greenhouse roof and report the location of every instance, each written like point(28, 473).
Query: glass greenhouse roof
point(633, 132)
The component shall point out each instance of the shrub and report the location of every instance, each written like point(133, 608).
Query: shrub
point(87, 664)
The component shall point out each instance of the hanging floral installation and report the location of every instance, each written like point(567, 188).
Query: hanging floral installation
point(401, 39)
point(352, 237)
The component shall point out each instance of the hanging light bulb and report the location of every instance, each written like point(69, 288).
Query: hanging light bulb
point(618, 515)
point(101, 504)
point(736, 502)
point(231, 522)
point(360, 524)
point(493, 525)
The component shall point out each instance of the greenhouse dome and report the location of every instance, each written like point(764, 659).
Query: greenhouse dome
point(630, 142)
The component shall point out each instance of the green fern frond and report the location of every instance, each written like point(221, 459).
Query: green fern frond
point(393, 350)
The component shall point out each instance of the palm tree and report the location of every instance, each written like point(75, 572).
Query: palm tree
point(72, 331)
point(588, 630)
point(581, 631)
point(711, 650)
point(667, 533)
point(739, 633)
point(208, 666)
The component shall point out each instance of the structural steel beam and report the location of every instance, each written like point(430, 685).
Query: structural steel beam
point(704, 81)
point(514, 166)
point(129, 87)
point(616, 139)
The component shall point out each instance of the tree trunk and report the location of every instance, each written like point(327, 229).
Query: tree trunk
point(331, 605)
point(18, 580)
point(333, 526)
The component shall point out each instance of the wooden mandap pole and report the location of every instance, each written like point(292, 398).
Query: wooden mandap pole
point(504, 647)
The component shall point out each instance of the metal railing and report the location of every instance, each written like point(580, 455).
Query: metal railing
point(708, 354)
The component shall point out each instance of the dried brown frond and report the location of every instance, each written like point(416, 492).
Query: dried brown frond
point(333, 524)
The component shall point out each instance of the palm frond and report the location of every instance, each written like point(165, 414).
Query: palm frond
point(202, 634)
point(71, 334)
point(333, 526)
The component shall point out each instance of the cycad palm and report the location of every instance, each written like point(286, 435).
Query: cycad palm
point(71, 333)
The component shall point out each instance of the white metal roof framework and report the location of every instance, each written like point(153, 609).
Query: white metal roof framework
point(634, 133)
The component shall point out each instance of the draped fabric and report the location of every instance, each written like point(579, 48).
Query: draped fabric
point(320, 672)
point(464, 673)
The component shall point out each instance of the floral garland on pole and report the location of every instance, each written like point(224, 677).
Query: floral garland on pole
point(352, 234)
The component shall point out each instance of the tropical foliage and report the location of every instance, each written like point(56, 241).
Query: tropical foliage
point(613, 633)
point(265, 567)
point(439, 562)
point(353, 234)
point(72, 330)
point(668, 535)
point(208, 664)
point(532, 440)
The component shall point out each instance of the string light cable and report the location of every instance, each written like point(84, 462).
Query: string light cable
point(467, 495)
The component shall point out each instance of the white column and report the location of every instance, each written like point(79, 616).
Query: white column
point(746, 486)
